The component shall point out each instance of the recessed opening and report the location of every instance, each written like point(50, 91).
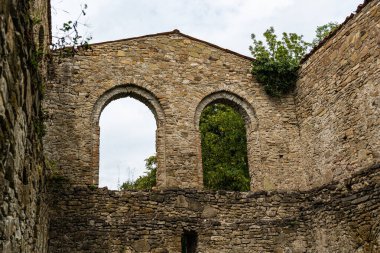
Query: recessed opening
point(127, 139)
point(189, 241)
point(224, 148)
point(41, 38)
point(25, 179)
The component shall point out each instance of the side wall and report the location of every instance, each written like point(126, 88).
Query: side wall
point(181, 74)
point(23, 212)
point(336, 218)
point(338, 100)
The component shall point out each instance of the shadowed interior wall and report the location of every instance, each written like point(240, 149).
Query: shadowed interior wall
point(23, 209)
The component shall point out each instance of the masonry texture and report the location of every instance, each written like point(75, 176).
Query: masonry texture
point(176, 76)
point(335, 218)
point(338, 100)
point(23, 212)
point(313, 155)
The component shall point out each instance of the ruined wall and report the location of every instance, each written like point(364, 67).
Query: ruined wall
point(334, 120)
point(23, 212)
point(176, 76)
point(339, 217)
point(338, 100)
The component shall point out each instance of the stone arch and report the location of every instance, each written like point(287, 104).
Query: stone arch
point(148, 99)
point(251, 123)
point(231, 99)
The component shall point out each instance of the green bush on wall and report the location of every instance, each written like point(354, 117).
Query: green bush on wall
point(277, 61)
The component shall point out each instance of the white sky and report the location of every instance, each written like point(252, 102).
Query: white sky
point(127, 138)
point(226, 23)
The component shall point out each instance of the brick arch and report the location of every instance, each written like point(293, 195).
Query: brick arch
point(147, 98)
point(248, 113)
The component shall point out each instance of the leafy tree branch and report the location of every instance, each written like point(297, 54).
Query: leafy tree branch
point(277, 60)
point(323, 31)
point(145, 182)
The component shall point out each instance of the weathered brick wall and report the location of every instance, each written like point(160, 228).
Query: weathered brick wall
point(338, 217)
point(338, 100)
point(23, 212)
point(176, 76)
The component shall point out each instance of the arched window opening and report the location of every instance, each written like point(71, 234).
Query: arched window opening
point(224, 148)
point(127, 145)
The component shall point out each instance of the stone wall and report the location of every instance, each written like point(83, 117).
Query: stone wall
point(338, 100)
point(338, 217)
point(334, 120)
point(176, 76)
point(23, 212)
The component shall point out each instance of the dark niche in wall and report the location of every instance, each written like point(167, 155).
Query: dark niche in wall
point(189, 241)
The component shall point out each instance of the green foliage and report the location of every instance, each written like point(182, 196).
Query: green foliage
point(224, 149)
point(36, 20)
point(92, 187)
point(128, 185)
point(224, 153)
point(146, 182)
point(277, 61)
point(323, 31)
point(35, 58)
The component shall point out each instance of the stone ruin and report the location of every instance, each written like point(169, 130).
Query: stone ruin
point(314, 155)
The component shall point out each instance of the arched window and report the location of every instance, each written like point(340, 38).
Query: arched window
point(148, 101)
point(127, 139)
point(227, 127)
point(224, 148)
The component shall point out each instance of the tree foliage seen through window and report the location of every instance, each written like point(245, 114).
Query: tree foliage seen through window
point(224, 149)
point(224, 153)
point(145, 182)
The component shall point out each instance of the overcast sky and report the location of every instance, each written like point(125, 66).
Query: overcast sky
point(227, 23)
